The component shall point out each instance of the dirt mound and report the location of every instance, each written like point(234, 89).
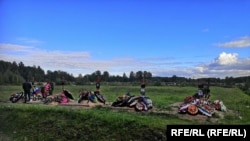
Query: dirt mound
point(174, 110)
point(198, 117)
point(82, 104)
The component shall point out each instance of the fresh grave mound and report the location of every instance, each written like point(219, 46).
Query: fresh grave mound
point(198, 117)
point(36, 95)
point(62, 98)
point(91, 98)
point(200, 104)
point(139, 103)
point(17, 97)
point(199, 108)
point(90, 103)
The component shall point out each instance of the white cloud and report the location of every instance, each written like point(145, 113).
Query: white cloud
point(240, 43)
point(80, 62)
point(211, 69)
point(200, 69)
point(29, 41)
point(226, 64)
point(54, 60)
point(227, 58)
point(14, 48)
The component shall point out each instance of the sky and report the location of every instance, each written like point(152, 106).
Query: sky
point(193, 39)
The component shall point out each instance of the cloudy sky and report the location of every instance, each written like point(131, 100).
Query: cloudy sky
point(191, 39)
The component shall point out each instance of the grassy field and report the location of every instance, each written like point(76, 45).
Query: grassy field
point(42, 122)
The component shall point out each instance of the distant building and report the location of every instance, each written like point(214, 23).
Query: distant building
point(171, 83)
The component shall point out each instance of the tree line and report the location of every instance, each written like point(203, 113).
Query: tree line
point(15, 73)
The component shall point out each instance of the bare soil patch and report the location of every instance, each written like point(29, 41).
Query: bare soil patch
point(198, 117)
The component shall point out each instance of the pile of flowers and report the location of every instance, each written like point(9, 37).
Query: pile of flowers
point(194, 105)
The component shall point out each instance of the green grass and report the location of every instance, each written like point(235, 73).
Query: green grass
point(43, 123)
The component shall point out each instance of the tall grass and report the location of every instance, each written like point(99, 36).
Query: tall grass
point(43, 122)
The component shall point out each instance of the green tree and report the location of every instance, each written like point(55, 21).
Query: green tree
point(106, 76)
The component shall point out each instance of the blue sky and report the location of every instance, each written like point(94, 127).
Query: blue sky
point(190, 39)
